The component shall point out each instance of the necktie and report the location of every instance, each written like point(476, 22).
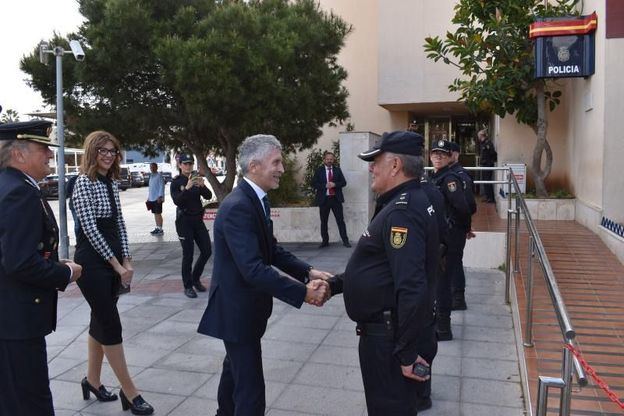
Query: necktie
point(267, 209)
point(330, 178)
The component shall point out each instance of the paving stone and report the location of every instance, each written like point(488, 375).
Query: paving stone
point(491, 392)
point(170, 381)
point(321, 400)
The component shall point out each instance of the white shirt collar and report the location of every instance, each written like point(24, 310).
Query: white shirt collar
point(259, 191)
point(32, 180)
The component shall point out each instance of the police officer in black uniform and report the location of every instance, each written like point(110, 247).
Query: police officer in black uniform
point(487, 158)
point(186, 192)
point(30, 271)
point(389, 282)
point(458, 219)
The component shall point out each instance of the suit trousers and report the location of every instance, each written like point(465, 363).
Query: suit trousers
point(192, 230)
point(241, 388)
point(24, 383)
point(387, 391)
point(332, 204)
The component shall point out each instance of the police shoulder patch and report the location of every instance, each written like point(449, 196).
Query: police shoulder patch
point(452, 186)
point(398, 237)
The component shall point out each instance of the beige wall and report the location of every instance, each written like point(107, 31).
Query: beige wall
point(406, 75)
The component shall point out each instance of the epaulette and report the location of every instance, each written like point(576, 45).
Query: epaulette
point(403, 201)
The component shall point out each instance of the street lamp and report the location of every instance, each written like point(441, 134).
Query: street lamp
point(58, 51)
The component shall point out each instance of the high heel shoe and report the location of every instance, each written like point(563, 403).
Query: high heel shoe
point(137, 406)
point(100, 393)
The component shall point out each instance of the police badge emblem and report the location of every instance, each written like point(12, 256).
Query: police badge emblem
point(452, 186)
point(398, 237)
point(563, 54)
point(441, 143)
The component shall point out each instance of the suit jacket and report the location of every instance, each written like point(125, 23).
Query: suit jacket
point(243, 280)
point(30, 274)
point(319, 182)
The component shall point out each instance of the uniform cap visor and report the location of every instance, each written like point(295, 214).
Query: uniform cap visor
point(38, 139)
point(440, 150)
point(369, 155)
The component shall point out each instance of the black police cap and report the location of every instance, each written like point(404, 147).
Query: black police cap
point(455, 147)
point(33, 131)
point(185, 157)
point(401, 142)
point(442, 146)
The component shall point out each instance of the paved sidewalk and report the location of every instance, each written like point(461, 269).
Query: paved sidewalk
point(310, 355)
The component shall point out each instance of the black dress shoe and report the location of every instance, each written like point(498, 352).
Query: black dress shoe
point(137, 406)
point(324, 244)
point(199, 287)
point(190, 292)
point(100, 393)
point(346, 244)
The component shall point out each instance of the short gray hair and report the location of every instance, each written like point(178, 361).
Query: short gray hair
point(255, 149)
point(6, 146)
point(413, 166)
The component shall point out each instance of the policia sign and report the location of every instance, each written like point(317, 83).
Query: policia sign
point(564, 47)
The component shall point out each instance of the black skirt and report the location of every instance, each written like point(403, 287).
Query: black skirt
point(100, 284)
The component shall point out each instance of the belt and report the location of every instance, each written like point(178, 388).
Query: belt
point(373, 329)
point(384, 328)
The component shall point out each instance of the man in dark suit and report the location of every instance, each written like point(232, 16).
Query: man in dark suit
point(244, 281)
point(328, 181)
point(30, 271)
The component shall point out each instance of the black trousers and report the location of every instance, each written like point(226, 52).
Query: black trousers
point(387, 391)
point(24, 383)
point(193, 231)
point(488, 188)
point(241, 388)
point(454, 259)
point(332, 204)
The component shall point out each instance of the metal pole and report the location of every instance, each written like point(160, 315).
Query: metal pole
point(60, 166)
point(566, 391)
point(517, 236)
point(528, 333)
point(508, 258)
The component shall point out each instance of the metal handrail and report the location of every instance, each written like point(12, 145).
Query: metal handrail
point(536, 250)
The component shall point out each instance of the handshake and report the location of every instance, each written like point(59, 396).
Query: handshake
point(317, 289)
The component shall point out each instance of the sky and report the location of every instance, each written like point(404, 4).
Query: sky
point(23, 23)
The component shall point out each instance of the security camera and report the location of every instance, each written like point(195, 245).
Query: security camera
point(43, 52)
point(77, 50)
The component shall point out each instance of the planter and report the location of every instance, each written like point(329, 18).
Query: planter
point(556, 209)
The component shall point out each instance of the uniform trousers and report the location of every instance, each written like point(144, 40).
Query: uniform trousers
point(241, 388)
point(332, 204)
point(192, 230)
point(488, 188)
point(24, 383)
point(456, 242)
point(387, 391)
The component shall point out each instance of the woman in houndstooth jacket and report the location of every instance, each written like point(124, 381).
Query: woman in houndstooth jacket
point(102, 250)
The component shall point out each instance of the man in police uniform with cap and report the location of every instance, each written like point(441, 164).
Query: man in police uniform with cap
point(450, 293)
point(30, 271)
point(389, 282)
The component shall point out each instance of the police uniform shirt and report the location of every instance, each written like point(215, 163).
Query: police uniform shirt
point(487, 153)
point(467, 184)
point(451, 186)
point(393, 267)
point(188, 200)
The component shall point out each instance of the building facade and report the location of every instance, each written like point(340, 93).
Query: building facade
point(393, 85)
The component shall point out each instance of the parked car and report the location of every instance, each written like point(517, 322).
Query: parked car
point(49, 186)
point(124, 179)
point(166, 176)
point(136, 178)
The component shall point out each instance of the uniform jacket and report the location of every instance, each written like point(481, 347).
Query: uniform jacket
point(243, 280)
point(319, 183)
point(393, 267)
point(30, 274)
point(487, 153)
point(458, 212)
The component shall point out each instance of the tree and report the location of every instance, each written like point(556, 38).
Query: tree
point(9, 116)
point(203, 74)
point(492, 49)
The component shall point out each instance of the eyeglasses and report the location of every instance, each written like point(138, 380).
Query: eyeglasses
point(103, 151)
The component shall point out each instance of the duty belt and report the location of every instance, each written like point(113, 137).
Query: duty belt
point(385, 328)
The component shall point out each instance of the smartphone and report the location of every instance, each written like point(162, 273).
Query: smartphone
point(421, 370)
